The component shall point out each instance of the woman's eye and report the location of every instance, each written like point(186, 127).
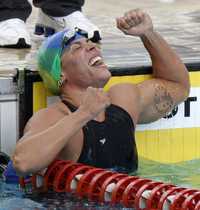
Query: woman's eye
point(75, 47)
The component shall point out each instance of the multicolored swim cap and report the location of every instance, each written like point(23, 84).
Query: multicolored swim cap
point(49, 56)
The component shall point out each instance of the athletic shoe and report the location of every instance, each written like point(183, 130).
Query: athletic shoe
point(13, 34)
point(47, 25)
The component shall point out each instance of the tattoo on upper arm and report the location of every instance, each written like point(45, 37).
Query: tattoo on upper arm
point(163, 100)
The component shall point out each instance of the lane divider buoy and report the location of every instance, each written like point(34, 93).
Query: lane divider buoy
point(106, 186)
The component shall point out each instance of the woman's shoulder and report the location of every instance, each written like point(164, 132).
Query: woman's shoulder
point(46, 117)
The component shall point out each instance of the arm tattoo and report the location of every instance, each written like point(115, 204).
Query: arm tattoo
point(163, 100)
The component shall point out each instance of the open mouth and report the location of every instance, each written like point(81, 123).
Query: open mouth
point(96, 61)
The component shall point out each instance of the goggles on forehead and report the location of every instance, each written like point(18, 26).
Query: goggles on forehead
point(75, 33)
point(71, 35)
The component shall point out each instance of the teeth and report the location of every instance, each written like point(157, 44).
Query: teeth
point(94, 60)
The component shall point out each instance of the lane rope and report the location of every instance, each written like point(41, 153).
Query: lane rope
point(106, 186)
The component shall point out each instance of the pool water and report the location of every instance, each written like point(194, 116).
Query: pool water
point(185, 174)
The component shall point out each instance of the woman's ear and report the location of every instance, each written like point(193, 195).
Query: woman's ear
point(63, 78)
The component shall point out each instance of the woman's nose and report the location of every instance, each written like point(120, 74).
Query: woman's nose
point(91, 45)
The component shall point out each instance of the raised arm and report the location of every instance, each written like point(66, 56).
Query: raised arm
point(170, 84)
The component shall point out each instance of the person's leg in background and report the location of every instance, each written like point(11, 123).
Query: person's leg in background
point(13, 32)
point(53, 16)
point(59, 8)
point(57, 15)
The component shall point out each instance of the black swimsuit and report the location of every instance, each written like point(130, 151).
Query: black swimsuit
point(111, 143)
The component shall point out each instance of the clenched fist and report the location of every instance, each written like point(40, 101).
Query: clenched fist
point(94, 101)
point(135, 23)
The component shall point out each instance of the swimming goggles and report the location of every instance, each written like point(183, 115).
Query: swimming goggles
point(75, 33)
point(71, 35)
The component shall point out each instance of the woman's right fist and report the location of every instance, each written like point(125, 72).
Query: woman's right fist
point(94, 101)
point(135, 22)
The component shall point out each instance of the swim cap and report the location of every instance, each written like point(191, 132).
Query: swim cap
point(49, 56)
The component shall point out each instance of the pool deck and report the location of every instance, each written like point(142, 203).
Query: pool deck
point(178, 22)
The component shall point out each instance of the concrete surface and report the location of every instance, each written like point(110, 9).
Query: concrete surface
point(177, 20)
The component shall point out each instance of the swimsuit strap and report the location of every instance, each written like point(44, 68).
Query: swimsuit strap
point(70, 106)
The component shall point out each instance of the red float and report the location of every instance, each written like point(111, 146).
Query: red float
point(110, 181)
point(156, 194)
point(191, 201)
point(120, 188)
point(102, 185)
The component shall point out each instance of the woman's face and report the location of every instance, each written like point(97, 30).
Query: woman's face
point(83, 65)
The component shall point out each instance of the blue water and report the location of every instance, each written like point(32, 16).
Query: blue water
point(185, 174)
point(11, 198)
